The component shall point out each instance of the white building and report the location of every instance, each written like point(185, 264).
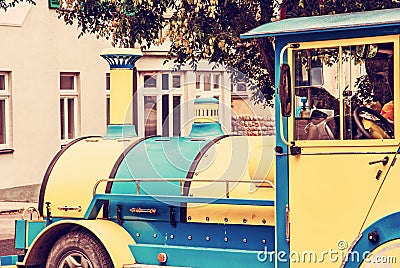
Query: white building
point(53, 88)
point(43, 66)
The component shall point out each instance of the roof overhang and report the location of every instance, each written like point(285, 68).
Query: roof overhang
point(326, 23)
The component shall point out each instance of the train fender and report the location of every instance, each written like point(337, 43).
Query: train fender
point(114, 238)
point(383, 233)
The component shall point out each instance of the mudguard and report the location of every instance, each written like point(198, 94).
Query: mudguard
point(113, 237)
point(377, 235)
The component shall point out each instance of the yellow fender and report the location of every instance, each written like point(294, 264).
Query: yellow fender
point(114, 238)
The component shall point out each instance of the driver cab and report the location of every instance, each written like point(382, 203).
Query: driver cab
point(337, 124)
point(344, 91)
point(341, 132)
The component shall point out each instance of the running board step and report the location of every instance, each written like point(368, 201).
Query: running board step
point(183, 256)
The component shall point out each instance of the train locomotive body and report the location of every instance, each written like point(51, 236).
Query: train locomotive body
point(159, 190)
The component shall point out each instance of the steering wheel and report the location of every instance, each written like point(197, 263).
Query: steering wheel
point(377, 119)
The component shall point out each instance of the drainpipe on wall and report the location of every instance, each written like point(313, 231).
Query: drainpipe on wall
point(121, 61)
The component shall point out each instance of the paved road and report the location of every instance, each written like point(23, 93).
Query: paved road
point(7, 246)
point(7, 223)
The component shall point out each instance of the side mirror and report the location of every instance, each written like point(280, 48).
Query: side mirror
point(285, 90)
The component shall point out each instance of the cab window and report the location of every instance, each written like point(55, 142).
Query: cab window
point(344, 92)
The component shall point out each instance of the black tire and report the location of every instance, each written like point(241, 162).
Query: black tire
point(79, 249)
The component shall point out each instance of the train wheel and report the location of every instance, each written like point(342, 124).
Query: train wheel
point(78, 249)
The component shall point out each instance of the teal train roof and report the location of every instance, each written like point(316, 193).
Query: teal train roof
point(158, 158)
point(356, 20)
point(205, 100)
point(208, 129)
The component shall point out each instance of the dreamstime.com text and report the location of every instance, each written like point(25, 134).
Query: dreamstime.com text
point(337, 255)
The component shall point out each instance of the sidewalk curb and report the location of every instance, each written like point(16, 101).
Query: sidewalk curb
point(11, 211)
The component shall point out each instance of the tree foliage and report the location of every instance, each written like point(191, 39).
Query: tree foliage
point(202, 29)
point(197, 29)
point(5, 4)
point(126, 22)
point(211, 30)
point(299, 8)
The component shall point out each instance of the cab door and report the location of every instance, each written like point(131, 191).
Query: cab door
point(346, 123)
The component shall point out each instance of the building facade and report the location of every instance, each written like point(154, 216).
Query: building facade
point(165, 97)
point(54, 88)
point(50, 91)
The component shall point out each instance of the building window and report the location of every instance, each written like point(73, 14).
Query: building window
point(176, 81)
point(198, 81)
point(150, 115)
point(239, 86)
point(4, 110)
point(150, 81)
point(171, 115)
point(68, 105)
point(67, 81)
point(216, 81)
point(3, 122)
point(176, 102)
point(165, 82)
point(208, 82)
point(162, 118)
point(108, 99)
point(165, 114)
point(161, 102)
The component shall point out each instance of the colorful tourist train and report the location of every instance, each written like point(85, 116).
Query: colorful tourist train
point(322, 192)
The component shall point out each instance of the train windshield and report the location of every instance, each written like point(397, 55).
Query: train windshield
point(344, 92)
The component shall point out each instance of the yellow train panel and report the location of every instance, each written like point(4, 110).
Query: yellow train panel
point(235, 167)
point(321, 220)
point(77, 171)
point(121, 109)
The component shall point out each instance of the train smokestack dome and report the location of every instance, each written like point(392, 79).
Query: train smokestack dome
point(121, 61)
point(206, 121)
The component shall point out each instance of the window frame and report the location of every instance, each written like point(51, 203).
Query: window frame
point(107, 91)
point(152, 75)
point(6, 96)
point(66, 95)
point(239, 83)
point(143, 120)
point(200, 84)
point(343, 43)
point(235, 89)
point(158, 92)
point(173, 75)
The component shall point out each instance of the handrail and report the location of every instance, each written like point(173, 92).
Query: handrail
point(99, 200)
point(181, 182)
point(30, 211)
